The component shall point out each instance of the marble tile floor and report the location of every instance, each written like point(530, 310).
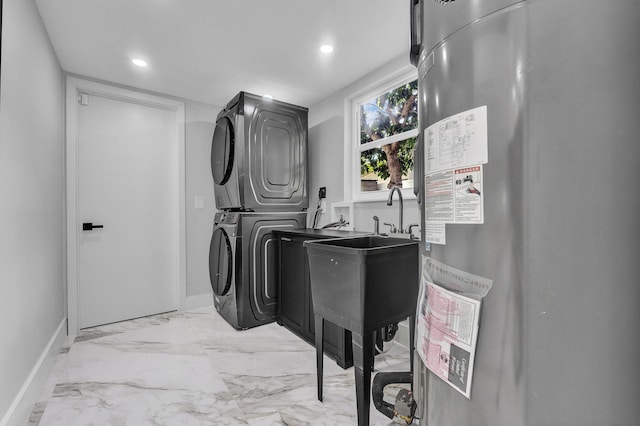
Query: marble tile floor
point(192, 368)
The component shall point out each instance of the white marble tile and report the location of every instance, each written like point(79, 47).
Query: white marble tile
point(92, 403)
point(89, 362)
point(123, 326)
point(175, 337)
point(293, 398)
point(193, 368)
point(36, 413)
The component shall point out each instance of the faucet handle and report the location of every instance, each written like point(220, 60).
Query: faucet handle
point(376, 225)
point(410, 228)
point(392, 229)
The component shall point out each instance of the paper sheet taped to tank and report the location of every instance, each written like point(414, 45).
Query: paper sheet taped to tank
point(447, 332)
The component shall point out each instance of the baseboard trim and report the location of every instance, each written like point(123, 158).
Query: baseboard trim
point(197, 302)
point(18, 412)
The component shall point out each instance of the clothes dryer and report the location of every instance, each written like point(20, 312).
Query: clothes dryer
point(259, 155)
point(242, 265)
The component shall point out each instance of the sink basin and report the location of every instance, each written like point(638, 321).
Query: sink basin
point(363, 283)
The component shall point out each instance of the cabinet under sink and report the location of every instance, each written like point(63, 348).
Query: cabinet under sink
point(295, 307)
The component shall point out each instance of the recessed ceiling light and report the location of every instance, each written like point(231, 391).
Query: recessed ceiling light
point(326, 48)
point(139, 62)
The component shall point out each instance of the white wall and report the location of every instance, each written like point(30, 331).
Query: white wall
point(326, 156)
point(32, 290)
point(200, 123)
point(32, 247)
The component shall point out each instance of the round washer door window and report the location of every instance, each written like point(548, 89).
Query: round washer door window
point(222, 151)
point(220, 262)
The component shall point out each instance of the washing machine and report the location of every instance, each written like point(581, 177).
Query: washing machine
point(259, 155)
point(243, 265)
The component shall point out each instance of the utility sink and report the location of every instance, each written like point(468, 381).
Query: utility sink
point(363, 283)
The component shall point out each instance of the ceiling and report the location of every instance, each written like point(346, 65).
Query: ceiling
point(208, 50)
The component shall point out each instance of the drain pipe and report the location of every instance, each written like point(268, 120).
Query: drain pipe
point(406, 405)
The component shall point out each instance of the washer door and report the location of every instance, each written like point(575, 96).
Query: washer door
point(222, 151)
point(220, 262)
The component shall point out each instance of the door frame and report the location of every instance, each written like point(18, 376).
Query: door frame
point(74, 86)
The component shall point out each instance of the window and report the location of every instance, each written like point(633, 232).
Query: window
point(385, 130)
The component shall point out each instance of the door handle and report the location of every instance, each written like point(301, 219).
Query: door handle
point(88, 226)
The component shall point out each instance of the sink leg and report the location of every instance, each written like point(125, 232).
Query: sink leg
point(319, 328)
point(412, 337)
point(363, 353)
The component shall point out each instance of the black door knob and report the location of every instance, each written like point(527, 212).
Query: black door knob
point(88, 226)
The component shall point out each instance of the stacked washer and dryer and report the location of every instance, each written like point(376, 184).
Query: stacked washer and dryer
point(259, 167)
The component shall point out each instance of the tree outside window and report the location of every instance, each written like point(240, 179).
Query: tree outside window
point(388, 130)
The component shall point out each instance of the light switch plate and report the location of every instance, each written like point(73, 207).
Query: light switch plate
point(199, 202)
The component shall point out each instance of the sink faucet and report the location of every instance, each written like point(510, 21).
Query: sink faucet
point(395, 188)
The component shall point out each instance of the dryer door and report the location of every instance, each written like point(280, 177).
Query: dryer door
point(222, 151)
point(277, 154)
point(220, 262)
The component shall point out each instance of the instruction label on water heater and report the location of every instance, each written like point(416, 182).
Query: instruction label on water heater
point(457, 141)
point(454, 196)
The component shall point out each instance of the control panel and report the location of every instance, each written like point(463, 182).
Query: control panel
point(227, 218)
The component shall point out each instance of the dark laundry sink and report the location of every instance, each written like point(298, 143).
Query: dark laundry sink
point(362, 284)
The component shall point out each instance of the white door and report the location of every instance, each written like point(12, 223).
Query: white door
point(127, 181)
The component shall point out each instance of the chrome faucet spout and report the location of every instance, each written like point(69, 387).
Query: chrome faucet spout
point(393, 189)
